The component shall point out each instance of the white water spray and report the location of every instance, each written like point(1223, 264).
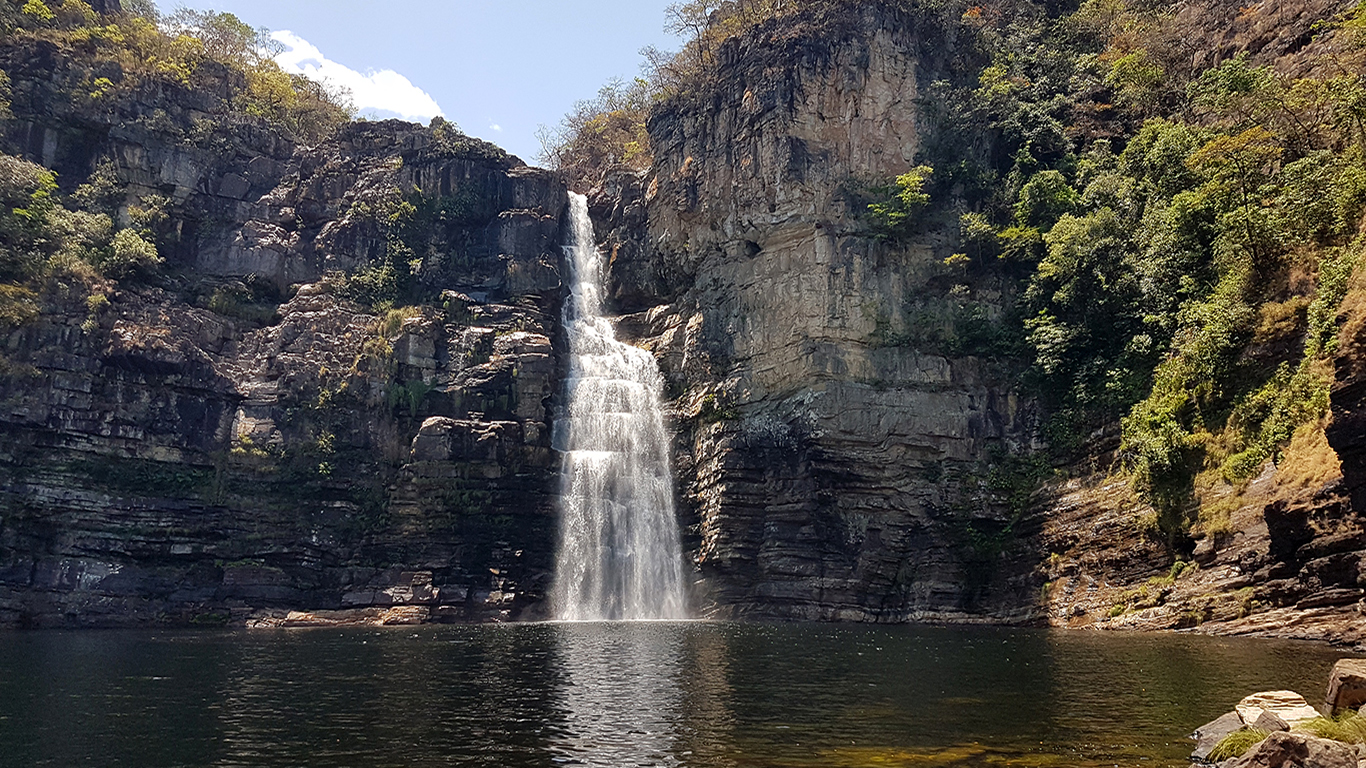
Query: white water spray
point(619, 556)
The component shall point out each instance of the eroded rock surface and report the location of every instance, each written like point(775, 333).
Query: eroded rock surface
point(1283, 750)
point(238, 438)
point(831, 466)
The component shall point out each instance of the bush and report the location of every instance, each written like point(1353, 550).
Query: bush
point(895, 215)
point(1044, 199)
point(599, 133)
point(18, 305)
point(129, 254)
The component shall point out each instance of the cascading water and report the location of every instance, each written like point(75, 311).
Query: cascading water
point(619, 557)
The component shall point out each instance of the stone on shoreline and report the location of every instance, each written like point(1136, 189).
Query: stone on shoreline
point(1288, 705)
point(1210, 734)
point(1297, 750)
point(1346, 686)
point(401, 615)
point(1270, 722)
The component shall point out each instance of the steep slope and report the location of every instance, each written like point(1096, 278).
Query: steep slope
point(833, 470)
point(256, 427)
point(856, 440)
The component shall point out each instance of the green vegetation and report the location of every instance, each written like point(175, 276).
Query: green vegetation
point(715, 408)
point(1236, 744)
point(411, 227)
point(1181, 252)
point(45, 245)
point(1348, 727)
point(98, 234)
point(894, 216)
point(141, 46)
point(251, 299)
point(1174, 241)
point(142, 477)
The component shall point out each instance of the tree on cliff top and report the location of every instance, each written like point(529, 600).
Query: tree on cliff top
point(609, 130)
point(599, 133)
point(225, 37)
point(144, 45)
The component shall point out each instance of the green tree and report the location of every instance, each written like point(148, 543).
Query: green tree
point(895, 216)
point(1044, 199)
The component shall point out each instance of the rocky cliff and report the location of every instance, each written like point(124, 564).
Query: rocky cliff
point(336, 395)
point(849, 447)
point(244, 434)
point(831, 467)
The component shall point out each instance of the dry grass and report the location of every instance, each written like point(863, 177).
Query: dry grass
point(1309, 461)
point(391, 322)
point(1236, 744)
point(1278, 320)
point(1353, 307)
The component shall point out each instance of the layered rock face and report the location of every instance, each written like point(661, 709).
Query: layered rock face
point(829, 461)
point(250, 435)
point(839, 459)
point(236, 438)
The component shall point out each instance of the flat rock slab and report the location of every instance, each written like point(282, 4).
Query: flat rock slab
point(1297, 750)
point(1210, 734)
point(1290, 706)
point(365, 617)
point(1347, 685)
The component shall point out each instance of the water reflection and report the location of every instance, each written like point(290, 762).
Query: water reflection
point(621, 693)
point(652, 694)
point(642, 694)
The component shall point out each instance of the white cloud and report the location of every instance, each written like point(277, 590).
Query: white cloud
point(385, 91)
point(495, 127)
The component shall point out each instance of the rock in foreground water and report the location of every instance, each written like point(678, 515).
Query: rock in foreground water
point(1346, 686)
point(1283, 750)
point(1210, 734)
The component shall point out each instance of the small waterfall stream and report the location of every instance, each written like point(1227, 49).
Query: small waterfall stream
point(619, 556)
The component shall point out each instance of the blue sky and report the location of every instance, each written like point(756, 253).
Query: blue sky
point(498, 69)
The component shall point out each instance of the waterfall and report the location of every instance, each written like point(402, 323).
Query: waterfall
point(619, 556)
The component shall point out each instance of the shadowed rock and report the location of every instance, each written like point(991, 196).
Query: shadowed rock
point(1297, 750)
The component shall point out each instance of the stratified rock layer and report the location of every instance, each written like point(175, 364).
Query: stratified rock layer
point(832, 468)
point(178, 455)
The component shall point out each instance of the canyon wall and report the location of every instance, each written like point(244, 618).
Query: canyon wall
point(841, 455)
point(234, 438)
point(831, 467)
point(251, 432)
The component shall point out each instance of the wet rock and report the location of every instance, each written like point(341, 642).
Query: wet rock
point(1346, 686)
point(1208, 736)
point(1288, 705)
point(1297, 750)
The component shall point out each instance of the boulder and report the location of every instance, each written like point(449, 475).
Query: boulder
point(1211, 733)
point(1297, 750)
point(1270, 722)
point(1288, 705)
point(1346, 686)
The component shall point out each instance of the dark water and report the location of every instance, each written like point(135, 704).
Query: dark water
point(626, 695)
